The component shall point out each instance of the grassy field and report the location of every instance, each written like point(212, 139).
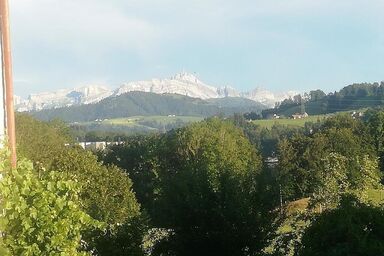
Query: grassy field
point(159, 119)
point(268, 123)
point(136, 124)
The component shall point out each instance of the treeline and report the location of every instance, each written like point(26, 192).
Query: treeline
point(352, 97)
point(103, 131)
point(205, 189)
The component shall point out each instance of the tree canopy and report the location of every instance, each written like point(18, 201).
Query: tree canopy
point(208, 190)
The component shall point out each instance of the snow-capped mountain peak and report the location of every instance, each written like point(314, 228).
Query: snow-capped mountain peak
point(187, 77)
point(64, 97)
point(227, 91)
point(182, 83)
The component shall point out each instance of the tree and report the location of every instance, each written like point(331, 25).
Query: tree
point(40, 211)
point(295, 175)
point(208, 193)
point(333, 182)
point(375, 125)
point(301, 158)
point(40, 141)
point(125, 239)
point(105, 194)
point(138, 158)
point(316, 95)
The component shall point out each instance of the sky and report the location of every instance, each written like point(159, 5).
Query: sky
point(278, 45)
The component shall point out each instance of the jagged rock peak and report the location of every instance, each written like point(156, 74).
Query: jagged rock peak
point(187, 77)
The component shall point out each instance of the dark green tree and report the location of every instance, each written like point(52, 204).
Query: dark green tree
point(352, 229)
point(375, 123)
point(301, 157)
point(138, 158)
point(208, 195)
point(40, 141)
point(106, 195)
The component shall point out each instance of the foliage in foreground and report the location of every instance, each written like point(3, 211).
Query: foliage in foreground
point(104, 192)
point(41, 215)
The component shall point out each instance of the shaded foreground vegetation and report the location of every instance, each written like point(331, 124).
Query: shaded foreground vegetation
point(205, 189)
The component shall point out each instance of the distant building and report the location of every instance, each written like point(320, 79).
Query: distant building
point(272, 161)
point(98, 145)
point(272, 116)
point(300, 116)
point(356, 115)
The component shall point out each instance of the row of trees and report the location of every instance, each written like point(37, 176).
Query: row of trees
point(351, 97)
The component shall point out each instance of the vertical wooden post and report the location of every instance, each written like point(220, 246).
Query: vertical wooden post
point(7, 78)
point(2, 102)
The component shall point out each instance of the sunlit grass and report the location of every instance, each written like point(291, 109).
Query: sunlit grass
point(268, 123)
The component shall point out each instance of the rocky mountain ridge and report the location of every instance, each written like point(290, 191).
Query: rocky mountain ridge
point(183, 83)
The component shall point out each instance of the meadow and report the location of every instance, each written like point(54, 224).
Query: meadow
point(268, 123)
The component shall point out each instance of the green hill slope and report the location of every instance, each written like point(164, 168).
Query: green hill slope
point(149, 104)
point(351, 97)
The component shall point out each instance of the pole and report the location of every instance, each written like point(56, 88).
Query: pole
point(7, 79)
point(2, 102)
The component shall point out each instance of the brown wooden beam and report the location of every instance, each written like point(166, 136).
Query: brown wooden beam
point(8, 79)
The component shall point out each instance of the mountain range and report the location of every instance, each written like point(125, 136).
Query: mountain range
point(183, 83)
point(138, 103)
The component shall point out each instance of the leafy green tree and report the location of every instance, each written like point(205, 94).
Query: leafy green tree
point(125, 239)
point(301, 158)
point(208, 192)
point(106, 195)
point(333, 182)
point(40, 141)
point(295, 175)
point(106, 192)
point(40, 211)
point(369, 178)
point(375, 123)
point(317, 95)
point(138, 158)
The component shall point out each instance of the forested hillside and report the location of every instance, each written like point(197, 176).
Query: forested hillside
point(352, 97)
point(149, 104)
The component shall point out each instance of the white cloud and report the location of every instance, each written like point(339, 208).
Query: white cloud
point(83, 26)
point(144, 26)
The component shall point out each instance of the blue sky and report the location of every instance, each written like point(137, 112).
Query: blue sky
point(279, 45)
